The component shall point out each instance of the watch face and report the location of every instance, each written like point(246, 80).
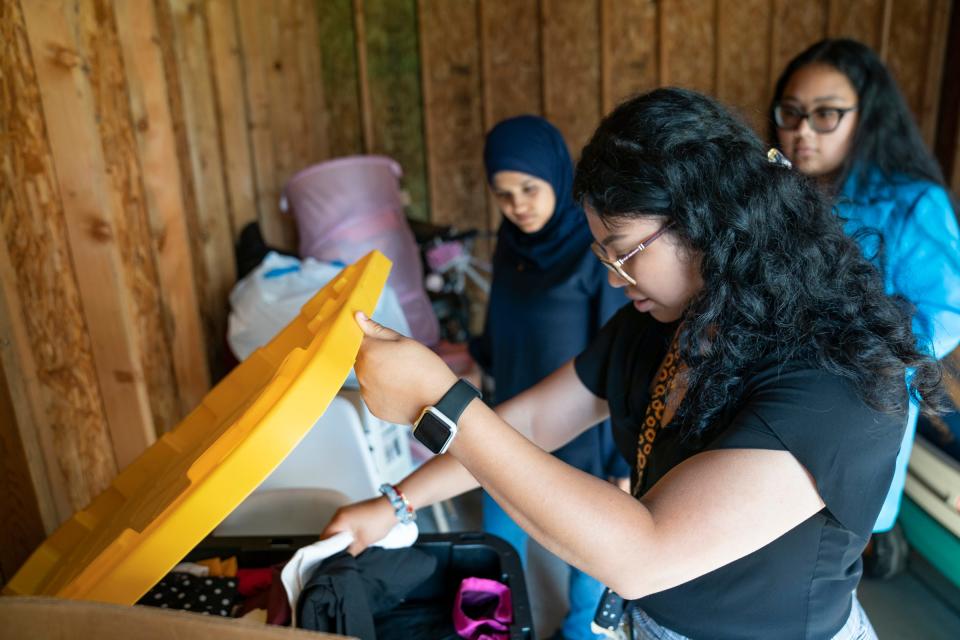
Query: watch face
point(433, 431)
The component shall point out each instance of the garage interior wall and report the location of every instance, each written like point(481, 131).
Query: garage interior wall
point(140, 136)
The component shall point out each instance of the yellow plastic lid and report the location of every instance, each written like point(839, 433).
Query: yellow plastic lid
point(180, 488)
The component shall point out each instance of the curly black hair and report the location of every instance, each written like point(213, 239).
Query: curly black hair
point(887, 137)
point(781, 279)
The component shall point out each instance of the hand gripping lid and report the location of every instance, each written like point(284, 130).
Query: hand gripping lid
point(180, 488)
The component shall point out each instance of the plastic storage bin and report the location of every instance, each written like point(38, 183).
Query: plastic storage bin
point(459, 556)
point(185, 484)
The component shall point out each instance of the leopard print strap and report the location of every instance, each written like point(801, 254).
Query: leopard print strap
point(653, 418)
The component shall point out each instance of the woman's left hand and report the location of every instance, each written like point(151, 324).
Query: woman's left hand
point(398, 376)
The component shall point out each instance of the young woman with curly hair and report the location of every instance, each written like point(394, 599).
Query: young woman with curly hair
point(755, 383)
point(838, 115)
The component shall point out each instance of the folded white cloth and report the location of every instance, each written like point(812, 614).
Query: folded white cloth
point(297, 572)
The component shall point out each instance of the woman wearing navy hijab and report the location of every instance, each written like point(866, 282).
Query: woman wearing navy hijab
point(548, 299)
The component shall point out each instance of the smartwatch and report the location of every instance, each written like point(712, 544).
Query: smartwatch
point(437, 425)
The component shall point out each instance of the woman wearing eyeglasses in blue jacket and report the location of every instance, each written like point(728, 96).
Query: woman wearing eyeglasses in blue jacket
point(838, 115)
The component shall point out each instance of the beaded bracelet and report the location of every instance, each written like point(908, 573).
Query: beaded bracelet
point(401, 506)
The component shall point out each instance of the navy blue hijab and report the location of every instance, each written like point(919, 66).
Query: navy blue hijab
point(532, 145)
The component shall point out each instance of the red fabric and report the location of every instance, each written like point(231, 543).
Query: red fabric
point(251, 581)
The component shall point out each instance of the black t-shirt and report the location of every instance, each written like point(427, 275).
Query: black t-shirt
point(799, 585)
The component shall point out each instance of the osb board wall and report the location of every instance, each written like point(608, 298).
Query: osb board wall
point(140, 136)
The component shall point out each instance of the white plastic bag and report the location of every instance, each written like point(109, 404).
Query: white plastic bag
point(270, 296)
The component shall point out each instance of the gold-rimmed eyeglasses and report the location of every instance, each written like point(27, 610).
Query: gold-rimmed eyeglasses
point(616, 265)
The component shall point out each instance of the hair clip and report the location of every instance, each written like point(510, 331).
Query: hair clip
point(775, 157)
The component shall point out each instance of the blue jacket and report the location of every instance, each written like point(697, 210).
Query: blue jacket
point(920, 261)
point(921, 243)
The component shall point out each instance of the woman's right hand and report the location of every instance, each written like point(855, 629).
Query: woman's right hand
point(368, 521)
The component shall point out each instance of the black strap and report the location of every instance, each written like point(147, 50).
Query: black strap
point(456, 399)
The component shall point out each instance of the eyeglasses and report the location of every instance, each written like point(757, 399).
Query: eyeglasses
point(821, 119)
point(616, 266)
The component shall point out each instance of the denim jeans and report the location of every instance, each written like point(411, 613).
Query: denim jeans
point(857, 626)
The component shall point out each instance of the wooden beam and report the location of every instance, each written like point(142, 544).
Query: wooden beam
point(150, 108)
point(452, 112)
point(689, 43)
point(908, 51)
point(228, 72)
point(933, 69)
point(301, 119)
point(258, 32)
point(885, 29)
point(743, 63)
point(629, 40)
point(396, 102)
point(798, 25)
point(339, 35)
point(70, 112)
point(44, 344)
point(510, 72)
point(571, 68)
point(366, 110)
point(510, 65)
point(861, 20)
point(317, 120)
point(100, 47)
point(287, 128)
point(213, 246)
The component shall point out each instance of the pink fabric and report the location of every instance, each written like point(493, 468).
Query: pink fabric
point(483, 610)
point(443, 254)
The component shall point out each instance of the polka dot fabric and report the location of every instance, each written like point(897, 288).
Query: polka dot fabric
point(210, 596)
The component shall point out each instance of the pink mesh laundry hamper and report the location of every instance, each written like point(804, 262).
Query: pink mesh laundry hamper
point(346, 207)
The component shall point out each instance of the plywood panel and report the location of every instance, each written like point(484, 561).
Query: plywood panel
point(511, 74)
point(861, 20)
point(396, 102)
point(797, 25)
point(452, 113)
point(101, 50)
point(629, 40)
point(257, 30)
point(689, 44)
point(908, 47)
point(917, 41)
point(743, 61)
point(45, 349)
point(228, 72)
point(510, 51)
point(314, 115)
point(91, 222)
point(298, 117)
point(935, 70)
point(150, 109)
point(341, 90)
point(286, 100)
point(571, 68)
point(213, 247)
